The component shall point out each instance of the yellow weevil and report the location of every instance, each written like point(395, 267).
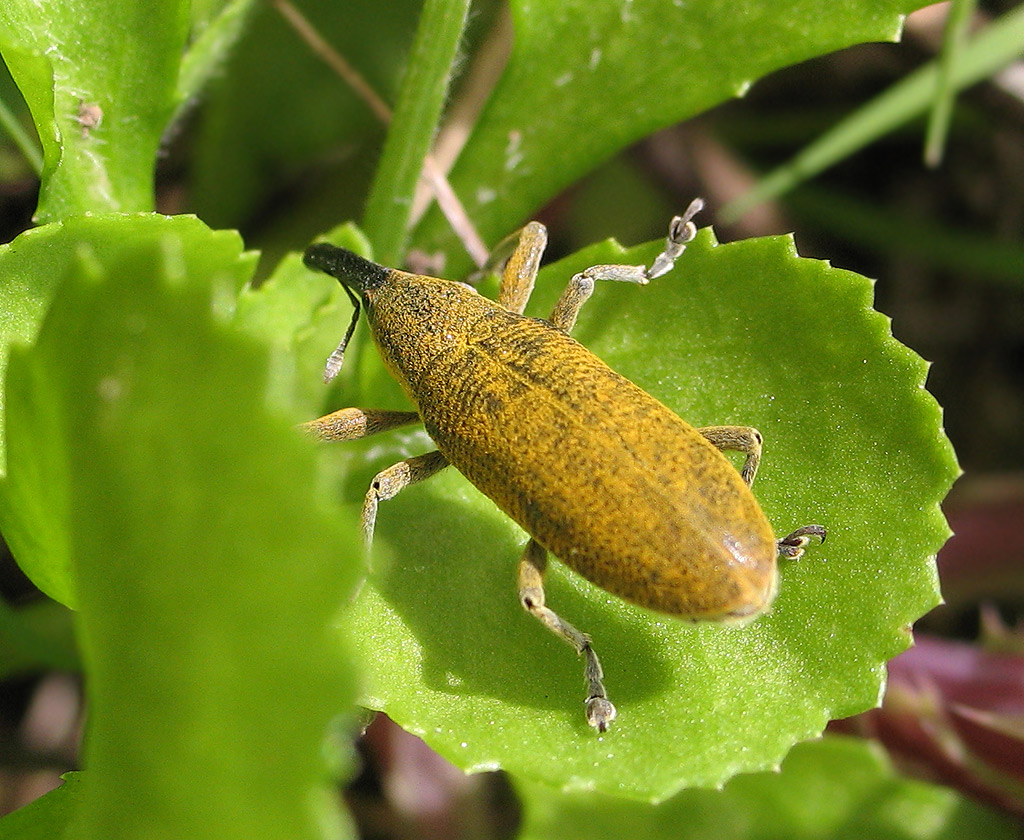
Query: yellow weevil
point(596, 471)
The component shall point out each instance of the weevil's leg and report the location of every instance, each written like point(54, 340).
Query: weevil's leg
point(748, 440)
point(793, 545)
point(355, 423)
point(600, 711)
point(390, 482)
point(681, 231)
point(745, 439)
point(521, 269)
point(581, 287)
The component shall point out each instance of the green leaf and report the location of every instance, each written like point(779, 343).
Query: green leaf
point(32, 269)
point(836, 788)
point(744, 333)
point(35, 637)
point(48, 817)
point(100, 79)
point(631, 69)
point(205, 567)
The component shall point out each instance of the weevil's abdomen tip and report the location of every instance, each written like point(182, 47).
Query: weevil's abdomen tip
point(356, 272)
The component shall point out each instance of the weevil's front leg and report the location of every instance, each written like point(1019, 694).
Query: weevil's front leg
point(681, 231)
point(521, 269)
point(600, 711)
point(390, 482)
point(356, 423)
point(745, 439)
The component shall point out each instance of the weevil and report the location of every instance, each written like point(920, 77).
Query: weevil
point(594, 469)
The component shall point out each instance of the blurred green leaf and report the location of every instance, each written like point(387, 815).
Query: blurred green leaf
point(830, 790)
point(278, 109)
point(100, 79)
point(32, 269)
point(585, 80)
point(206, 569)
point(12, 108)
point(49, 816)
point(961, 15)
point(36, 636)
point(743, 333)
point(976, 256)
point(213, 40)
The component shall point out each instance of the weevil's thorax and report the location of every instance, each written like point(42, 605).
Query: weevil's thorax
point(416, 320)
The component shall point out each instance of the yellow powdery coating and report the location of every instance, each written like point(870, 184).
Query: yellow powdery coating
point(599, 472)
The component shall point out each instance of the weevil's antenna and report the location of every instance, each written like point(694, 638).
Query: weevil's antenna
point(337, 358)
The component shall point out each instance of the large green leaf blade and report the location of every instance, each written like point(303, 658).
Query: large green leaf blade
point(587, 79)
point(745, 333)
point(206, 569)
point(32, 269)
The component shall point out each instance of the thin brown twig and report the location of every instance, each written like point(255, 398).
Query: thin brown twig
point(334, 60)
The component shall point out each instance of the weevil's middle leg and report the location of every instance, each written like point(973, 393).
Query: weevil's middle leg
point(600, 711)
point(681, 231)
point(745, 439)
point(356, 423)
point(390, 482)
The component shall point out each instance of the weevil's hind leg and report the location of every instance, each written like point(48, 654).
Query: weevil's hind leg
point(523, 264)
point(748, 440)
point(745, 439)
point(390, 482)
point(356, 423)
point(600, 711)
point(792, 546)
point(681, 231)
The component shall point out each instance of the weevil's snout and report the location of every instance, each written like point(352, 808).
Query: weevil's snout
point(351, 270)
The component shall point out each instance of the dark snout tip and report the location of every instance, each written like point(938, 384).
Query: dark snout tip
point(319, 256)
point(354, 271)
